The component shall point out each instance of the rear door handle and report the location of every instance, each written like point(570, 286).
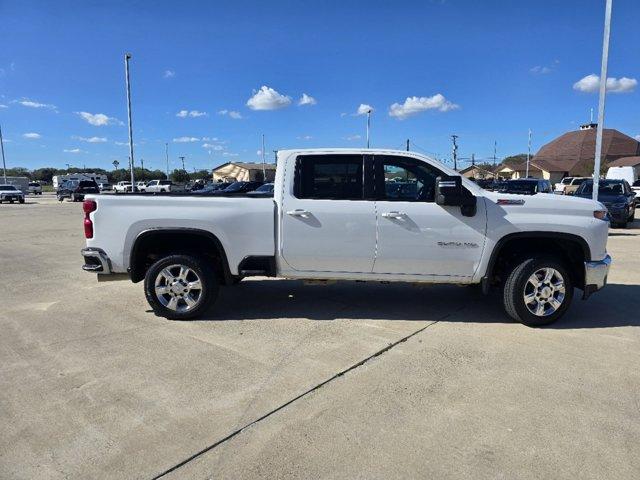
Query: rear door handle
point(298, 212)
point(394, 214)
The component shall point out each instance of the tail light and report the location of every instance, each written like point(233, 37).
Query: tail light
point(88, 206)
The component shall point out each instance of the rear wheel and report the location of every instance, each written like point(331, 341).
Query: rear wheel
point(180, 287)
point(21, 200)
point(538, 291)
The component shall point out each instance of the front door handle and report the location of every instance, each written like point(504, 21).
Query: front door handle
point(298, 212)
point(394, 214)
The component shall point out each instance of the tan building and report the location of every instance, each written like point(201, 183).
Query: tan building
point(552, 171)
point(243, 172)
point(476, 172)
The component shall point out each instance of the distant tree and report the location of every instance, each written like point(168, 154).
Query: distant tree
point(44, 174)
point(202, 175)
point(179, 176)
point(516, 159)
point(18, 172)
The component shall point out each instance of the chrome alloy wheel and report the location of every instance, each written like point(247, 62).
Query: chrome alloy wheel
point(544, 292)
point(178, 288)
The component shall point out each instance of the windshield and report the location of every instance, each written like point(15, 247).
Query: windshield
point(267, 187)
point(604, 188)
point(636, 183)
point(566, 181)
point(7, 187)
point(520, 187)
point(234, 187)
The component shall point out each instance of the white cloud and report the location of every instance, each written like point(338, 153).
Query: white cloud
point(415, 105)
point(231, 113)
point(363, 109)
point(90, 139)
point(229, 154)
point(305, 137)
point(268, 99)
point(3, 106)
point(191, 113)
point(353, 137)
point(73, 150)
point(212, 146)
point(98, 119)
point(31, 104)
point(186, 139)
point(32, 136)
point(540, 70)
point(259, 152)
point(307, 100)
point(169, 74)
point(591, 84)
point(211, 139)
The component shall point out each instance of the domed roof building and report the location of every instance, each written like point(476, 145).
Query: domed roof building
point(572, 154)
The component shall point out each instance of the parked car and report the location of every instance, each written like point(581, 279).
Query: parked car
point(141, 186)
point(237, 188)
point(331, 218)
point(161, 186)
point(105, 187)
point(76, 190)
point(10, 193)
point(616, 195)
point(35, 188)
point(560, 186)
point(265, 190)
point(636, 189)
point(209, 188)
point(122, 187)
point(526, 186)
point(571, 187)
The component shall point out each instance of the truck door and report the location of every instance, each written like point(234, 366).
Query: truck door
point(415, 235)
point(327, 225)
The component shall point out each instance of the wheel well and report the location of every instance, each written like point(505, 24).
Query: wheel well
point(571, 250)
point(155, 244)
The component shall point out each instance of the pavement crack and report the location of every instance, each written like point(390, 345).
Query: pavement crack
point(302, 395)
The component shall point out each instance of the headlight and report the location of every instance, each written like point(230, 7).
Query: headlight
point(601, 215)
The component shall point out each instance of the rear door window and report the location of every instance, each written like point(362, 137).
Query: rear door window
point(332, 177)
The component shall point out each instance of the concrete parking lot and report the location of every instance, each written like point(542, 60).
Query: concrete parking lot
point(287, 380)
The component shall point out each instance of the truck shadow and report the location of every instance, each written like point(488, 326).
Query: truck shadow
point(254, 299)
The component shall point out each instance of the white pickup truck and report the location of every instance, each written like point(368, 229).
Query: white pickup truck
point(375, 215)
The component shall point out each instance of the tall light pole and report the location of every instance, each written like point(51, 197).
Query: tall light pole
point(166, 152)
point(264, 170)
point(182, 158)
point(528, 154)
point(127, 56)
point(368, 125)
point(4, 164)
point(602, 97)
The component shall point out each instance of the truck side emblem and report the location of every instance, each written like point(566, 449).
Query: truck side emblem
point(457, 245)
point(509, 201)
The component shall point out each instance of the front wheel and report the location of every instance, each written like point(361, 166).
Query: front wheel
point(180, 287)
point(538, 291)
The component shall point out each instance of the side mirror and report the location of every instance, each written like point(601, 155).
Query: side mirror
point(450, 192)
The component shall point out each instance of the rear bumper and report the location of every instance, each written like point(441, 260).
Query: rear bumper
point(96, 261)
point(595, 275)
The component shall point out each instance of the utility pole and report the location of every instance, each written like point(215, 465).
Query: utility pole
point(264, 170)
point(455, 152)
point(473, 159)
point(407, 144)
point(4, 164)
point(142, 167)
point(528, 154)
point(495, 149)
point(368, 125)
point(127, 56)
point(166, 152)
point(602, 97)
point(182, 158)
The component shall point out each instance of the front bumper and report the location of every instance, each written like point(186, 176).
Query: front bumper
point(595, 275)
point(618, 215)
point(96, 261)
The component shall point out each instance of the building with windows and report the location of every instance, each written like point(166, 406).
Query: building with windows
point(244, 172)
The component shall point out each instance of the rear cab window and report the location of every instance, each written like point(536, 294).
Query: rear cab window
point(329, 177)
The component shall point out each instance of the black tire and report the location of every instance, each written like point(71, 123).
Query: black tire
point(518, 280)
point(632, 217)
point(11, 201)
point(208, 292)
point(21, 200)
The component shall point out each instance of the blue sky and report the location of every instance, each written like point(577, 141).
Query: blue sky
point(483, 70)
